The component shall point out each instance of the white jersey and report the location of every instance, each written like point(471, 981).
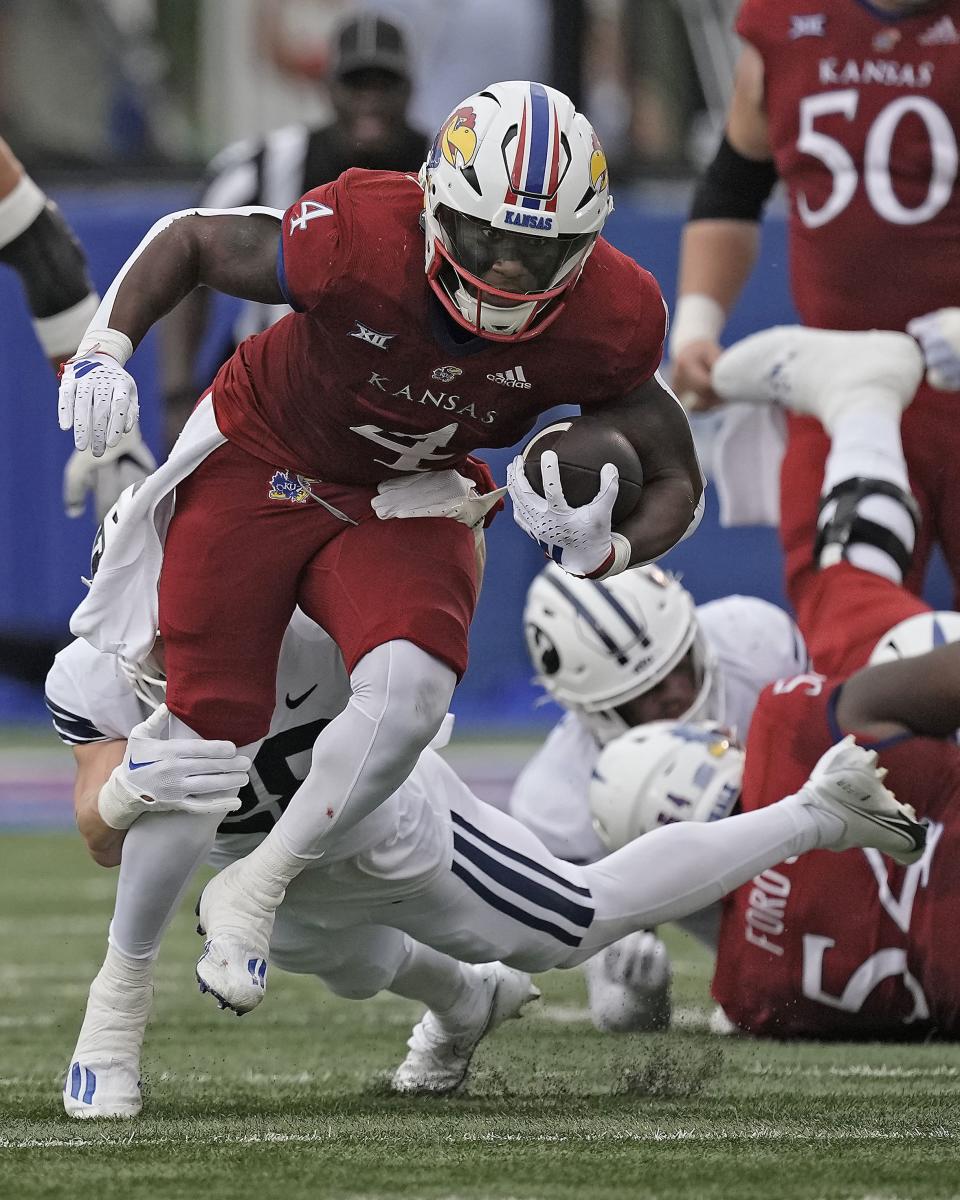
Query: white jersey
point(753, 642)
point(90, 700)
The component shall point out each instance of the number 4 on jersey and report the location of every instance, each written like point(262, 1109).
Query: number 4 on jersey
point(309, 211)
point(419, 448)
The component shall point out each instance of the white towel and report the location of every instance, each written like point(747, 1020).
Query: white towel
point(747, 452)
point(119, 615)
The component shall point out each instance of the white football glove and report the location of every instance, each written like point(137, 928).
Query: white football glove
point(939, 336)
point(106, 477)
point(580, 539)
point(99, 399)
point(172, 775)
point(628, 984)
point(434, 494)
point(642, 964)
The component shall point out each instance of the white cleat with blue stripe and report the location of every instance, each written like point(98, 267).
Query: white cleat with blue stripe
point(440, 1052)
point(233, 965)
point(848, 783)
point(103, 1079)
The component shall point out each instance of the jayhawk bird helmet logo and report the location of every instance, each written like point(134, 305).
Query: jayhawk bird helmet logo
point(458, 141)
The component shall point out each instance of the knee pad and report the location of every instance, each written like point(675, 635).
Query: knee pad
point(415, 687)
point(846, 526)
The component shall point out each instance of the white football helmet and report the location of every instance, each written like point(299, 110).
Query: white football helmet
point(596, 644)
point(664, 772)
point(918, 634)
point(515, 174)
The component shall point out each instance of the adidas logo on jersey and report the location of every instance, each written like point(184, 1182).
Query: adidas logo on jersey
point(940, 33)
point(512, 378)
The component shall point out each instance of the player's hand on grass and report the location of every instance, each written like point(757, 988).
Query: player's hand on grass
point(939, 336)
point(581, 539)
point(172, 775)
point(434, 494)
point(106, 477)
point(98, 399)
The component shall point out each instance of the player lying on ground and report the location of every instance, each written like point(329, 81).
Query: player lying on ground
point(615, 654)
point(431, 876)
point(40, 246)
point(415, 302)
point(820, 947)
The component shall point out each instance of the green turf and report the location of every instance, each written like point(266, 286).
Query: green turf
point(292, 1100)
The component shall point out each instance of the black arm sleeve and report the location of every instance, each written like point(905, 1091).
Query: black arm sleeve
point(50, 262)
point(733, 187)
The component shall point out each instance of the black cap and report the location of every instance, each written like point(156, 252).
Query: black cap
point(369, 40)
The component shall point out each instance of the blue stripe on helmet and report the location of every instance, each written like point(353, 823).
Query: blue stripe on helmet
point(539, 146)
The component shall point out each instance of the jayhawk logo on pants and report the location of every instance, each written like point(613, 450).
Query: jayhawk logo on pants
point(457, 138)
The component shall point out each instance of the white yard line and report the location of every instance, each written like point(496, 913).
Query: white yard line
point(760, 1133)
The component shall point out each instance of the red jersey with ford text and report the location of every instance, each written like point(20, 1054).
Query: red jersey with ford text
point(366, 378)
point(851, 944)
point(864, 117)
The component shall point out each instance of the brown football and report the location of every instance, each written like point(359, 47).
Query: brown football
point(583, 445)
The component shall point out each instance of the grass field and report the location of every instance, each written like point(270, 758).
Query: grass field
point(292, 1100)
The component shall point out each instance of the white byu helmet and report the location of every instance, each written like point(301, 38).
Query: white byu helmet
point(664, 772)
point(918, 634)
point(514, 173)
point(596, 644)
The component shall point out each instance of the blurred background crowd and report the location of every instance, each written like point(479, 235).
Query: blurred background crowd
point(153, 88)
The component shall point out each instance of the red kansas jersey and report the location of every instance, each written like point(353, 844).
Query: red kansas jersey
point(365, 377)
point(846, 945)
point(864, 114)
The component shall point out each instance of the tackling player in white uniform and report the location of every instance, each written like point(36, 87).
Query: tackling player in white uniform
point(110, 716)
point(616, 654)
point(431, 876)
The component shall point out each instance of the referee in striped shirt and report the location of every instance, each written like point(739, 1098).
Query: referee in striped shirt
point(369, 79)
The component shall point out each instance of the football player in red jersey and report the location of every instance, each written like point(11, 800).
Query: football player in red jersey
point(855, 106)
point(378, 375)
point(853, 946)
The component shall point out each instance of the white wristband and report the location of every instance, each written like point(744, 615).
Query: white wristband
point(696, 318)
point(622, 550)
point(106, 341)
point(117, 805)
point(19, 209)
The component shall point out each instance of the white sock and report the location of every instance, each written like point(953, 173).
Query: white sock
point(679, 869)
point(400, 697)
point(161, 852)
point(866, 443)
point(440, 982)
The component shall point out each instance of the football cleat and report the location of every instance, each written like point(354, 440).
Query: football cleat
point(848, 783)
point(818, 372)
point(628, 984)
point(233, 965)
point(103, 1079)
point(440, 1052)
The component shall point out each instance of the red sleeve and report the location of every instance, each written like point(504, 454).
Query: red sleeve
point(750, 20)
point(652, 329)
point(314, 244)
